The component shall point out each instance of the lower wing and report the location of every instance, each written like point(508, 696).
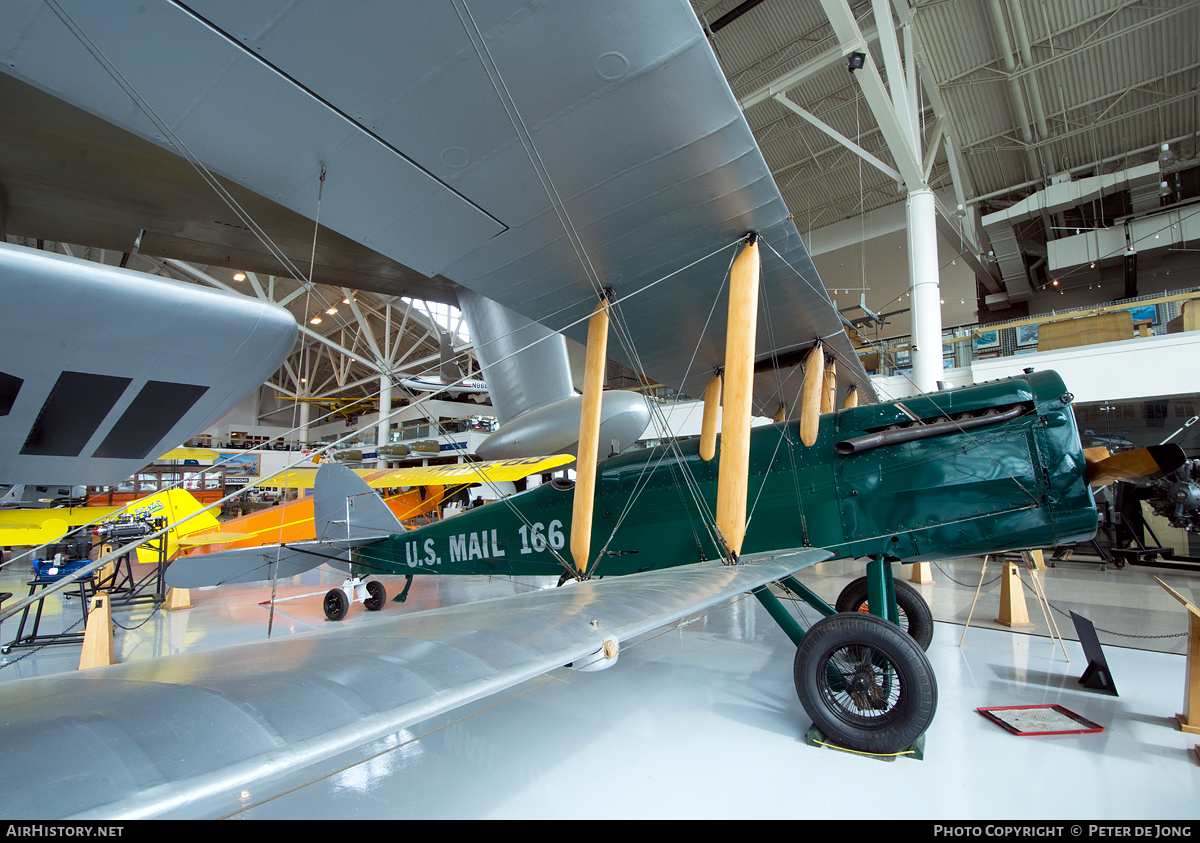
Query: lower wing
point(165, 734)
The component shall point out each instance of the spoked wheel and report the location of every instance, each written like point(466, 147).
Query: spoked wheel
point(375, 602)
point(865, 683)
point(915, 617)
point(336, 604)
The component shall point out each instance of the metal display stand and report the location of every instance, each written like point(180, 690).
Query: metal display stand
point(119, 581)
point(86, 587)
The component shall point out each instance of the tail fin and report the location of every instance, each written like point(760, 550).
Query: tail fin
point(346, 512)
point(345, 508)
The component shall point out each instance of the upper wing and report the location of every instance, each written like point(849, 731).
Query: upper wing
point(533, 152)
point(209, 727)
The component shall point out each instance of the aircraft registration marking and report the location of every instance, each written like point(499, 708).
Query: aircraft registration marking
point(484, 544)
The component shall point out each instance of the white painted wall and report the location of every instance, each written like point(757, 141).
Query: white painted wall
point(1143, 367)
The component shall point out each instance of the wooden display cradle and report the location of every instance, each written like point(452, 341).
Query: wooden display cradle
point(1189, 719)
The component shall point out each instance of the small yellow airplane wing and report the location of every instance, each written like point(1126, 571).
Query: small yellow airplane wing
point(434, 475)
point(190, 454)
point(43, 526)
point(218, 537)
point(467, 472)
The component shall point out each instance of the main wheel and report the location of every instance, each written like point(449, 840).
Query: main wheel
point(336, 604)
point(865, 683)
point(915, 617)
point(375, 602)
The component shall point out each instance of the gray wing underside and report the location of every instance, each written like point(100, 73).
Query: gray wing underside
point(105, 368)
point(616, 156)
point(156, 737)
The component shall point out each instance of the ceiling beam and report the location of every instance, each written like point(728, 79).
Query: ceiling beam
point(792, 78)
point(894, 131)
point(839, 137)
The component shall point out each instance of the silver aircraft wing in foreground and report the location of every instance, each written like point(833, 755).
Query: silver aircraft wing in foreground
point(202, 733)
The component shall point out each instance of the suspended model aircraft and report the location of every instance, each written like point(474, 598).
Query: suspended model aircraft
point(571, 162)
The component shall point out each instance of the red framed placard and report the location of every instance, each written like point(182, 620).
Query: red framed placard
point(1031, 720)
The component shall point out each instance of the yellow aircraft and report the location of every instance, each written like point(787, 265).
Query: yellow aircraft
point(45, 526)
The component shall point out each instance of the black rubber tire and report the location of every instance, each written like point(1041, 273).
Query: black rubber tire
point(336, 604)
point(916, 618)
point(378, 595)
point(865, 684)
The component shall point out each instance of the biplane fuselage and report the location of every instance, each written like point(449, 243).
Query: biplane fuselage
point(1002, 485)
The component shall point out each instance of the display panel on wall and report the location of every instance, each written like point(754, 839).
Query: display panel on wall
point(239, 465)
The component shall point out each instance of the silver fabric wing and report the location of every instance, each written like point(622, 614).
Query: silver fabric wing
point(155, 737)
point(533, 152)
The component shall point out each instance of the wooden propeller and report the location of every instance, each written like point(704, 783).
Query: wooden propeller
point(1139, 466)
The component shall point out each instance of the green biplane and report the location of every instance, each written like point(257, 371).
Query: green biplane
point(980, 469)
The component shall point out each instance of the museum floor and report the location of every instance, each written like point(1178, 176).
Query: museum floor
point(702, 720)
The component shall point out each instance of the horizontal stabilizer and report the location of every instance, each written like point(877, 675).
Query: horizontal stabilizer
point(251, 712)
point(254, 564)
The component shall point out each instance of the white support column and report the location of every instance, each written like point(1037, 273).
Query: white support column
point(925, 289)
point(383, 431)
point(305, 416)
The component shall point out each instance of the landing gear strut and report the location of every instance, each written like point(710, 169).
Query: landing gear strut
point(354, 590)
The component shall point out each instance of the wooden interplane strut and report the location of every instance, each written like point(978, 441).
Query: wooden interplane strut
point(589, 436)
point(738, 396)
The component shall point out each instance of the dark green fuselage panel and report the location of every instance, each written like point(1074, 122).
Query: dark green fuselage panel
point(1008, 485)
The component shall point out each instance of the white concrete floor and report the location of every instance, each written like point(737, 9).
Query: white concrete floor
point(702, 720)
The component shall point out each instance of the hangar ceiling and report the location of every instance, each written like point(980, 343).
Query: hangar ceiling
point(1020, 92)
point(1015, 94)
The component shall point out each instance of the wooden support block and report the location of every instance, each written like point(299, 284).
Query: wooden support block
point(178, 598)
point(1189, 718)
point(1034, 559)
point(1012, 599)
point(98, 650)
point(921, 573)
